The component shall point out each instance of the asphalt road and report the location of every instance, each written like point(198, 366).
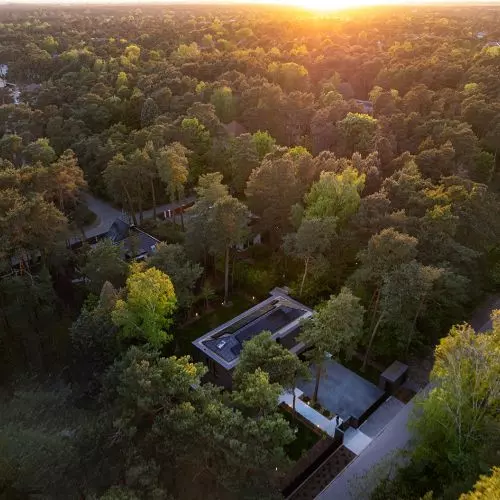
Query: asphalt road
point(107, 214)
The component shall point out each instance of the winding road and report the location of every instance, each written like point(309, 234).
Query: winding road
point(107, 214)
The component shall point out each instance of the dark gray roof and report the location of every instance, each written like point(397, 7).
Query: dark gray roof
point(278, 314)
point(133, 240)
point(118, 231)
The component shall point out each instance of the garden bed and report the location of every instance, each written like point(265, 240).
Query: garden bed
point(325, 412)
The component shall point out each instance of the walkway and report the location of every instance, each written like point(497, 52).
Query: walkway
point(309, 413)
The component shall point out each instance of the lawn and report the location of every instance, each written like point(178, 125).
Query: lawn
point(305, 438)
point(206, 322)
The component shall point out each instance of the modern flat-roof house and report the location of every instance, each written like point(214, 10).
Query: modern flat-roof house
point(220, 348)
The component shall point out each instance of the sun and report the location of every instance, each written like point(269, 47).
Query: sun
point(332, 5)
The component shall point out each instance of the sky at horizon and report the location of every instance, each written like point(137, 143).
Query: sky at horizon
point(325, 4)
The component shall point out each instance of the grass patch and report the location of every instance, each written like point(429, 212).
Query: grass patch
point(206, 322)
point(305, 438)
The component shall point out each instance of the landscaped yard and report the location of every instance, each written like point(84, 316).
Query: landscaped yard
point(206, 322)
point(305, 438)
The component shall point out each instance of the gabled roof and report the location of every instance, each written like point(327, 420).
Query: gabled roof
point(118, 231)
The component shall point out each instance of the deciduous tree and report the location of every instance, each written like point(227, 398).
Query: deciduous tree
point(147, 310)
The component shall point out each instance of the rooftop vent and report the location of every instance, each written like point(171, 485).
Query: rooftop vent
point(221, 344)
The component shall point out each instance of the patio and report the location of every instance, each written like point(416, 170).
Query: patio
point(342, 391)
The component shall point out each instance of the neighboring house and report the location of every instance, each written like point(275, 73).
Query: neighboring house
point(220, 348)
point(136, 244)
point(366, 105)
point(254, 238)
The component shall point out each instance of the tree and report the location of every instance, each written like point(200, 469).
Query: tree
point(255, 394)
point(272, 190)
point(104, 262)
point(312, 240)
point(386, 251)
point(404, 296)
point(335, 195)
point(184, 274)
point(228, 224)
point(223, 100)
point(358, 132)
point(282, 366)
point(172, 164)
point(207, 293)
point(486, 488)
point(39, 439)
point(152, 400)
point(66, 179)
point(335, 328)
point(147, 310)
point(121, 183)
point(94, 343)
point(149, 112)
point(244, 158)
point(198, 235)
point(263, 142)
point(457, 427)
point(40, 151)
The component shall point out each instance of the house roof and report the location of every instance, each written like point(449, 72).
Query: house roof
point(134, 241)
point(279, 314)
point(118, 231)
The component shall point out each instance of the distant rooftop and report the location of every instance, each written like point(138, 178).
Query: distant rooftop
point(135, 242)
point(279, 314)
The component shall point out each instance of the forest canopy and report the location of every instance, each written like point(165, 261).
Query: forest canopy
point(352, 157)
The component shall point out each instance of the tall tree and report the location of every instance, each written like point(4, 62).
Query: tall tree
point(283, 367)
point(172, 164)
point(335, 195)
point(103, 263)
point(272, 190)
point(121, 183)
point(386, 251)
point(66, 179)
point(311, 242)
point(228, 224)
point(457, 427)
point(335, 328)
point(173, 261)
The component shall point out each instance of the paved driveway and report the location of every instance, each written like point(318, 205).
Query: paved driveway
point(106, 213)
